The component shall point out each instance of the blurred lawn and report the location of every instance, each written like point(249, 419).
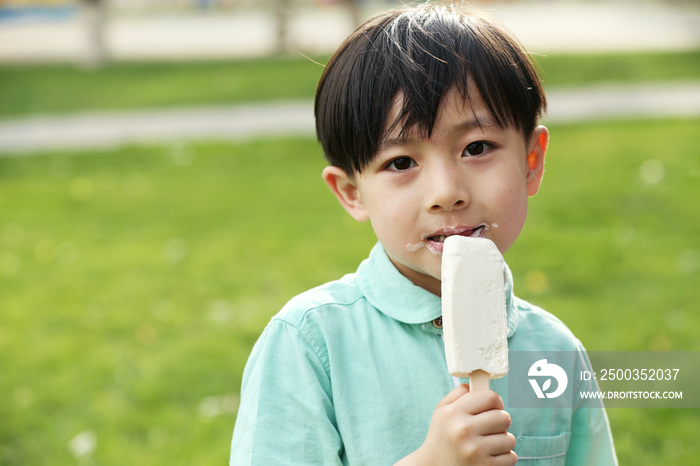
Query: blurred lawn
point(61, 88)
point(135, 281)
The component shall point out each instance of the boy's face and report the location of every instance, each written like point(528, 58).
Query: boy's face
point(468, 178)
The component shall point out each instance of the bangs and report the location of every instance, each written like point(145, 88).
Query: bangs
point(420, 54)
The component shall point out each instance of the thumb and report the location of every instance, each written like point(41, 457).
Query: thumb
point(459, 391)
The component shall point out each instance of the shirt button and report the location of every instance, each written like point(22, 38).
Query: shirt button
point(438, 322)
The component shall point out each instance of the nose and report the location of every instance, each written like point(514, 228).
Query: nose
point(448, 189)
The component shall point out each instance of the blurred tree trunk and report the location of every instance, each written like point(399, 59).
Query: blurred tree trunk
point(282, 15)
point(355, 13)
point(95, 15)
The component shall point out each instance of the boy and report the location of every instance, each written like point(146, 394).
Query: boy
point(428, 117)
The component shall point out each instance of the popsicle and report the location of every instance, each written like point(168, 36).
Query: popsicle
point(474, 310)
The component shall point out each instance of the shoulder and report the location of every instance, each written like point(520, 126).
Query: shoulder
point(307, 321)
point(331, 297)
point(543, 329)
point(322, 314)
point(315, 322)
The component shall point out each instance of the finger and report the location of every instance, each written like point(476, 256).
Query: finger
point(493, 422)
point(497, 444)
point(506, 459)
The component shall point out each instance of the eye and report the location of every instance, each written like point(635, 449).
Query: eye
point(401, 163)
point(476, 149)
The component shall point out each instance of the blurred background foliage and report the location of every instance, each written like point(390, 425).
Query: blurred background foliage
point(135, 280)
point(62, 88)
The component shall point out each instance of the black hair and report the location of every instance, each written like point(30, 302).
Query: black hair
point(420, 53)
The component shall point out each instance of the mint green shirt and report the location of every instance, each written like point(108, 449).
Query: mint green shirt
point(350, 373)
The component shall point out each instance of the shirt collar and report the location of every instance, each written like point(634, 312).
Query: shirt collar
point(396, 296)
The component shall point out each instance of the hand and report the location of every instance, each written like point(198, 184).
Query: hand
point(467, 428)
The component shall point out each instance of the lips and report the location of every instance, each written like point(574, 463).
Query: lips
point(435, 241)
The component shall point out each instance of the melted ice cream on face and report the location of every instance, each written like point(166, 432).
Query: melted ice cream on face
point(414, 247)
point(474, 307)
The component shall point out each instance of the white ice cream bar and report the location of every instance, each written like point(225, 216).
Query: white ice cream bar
point(474, 307)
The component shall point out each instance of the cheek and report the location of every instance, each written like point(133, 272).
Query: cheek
point(385, 217)
point(390, 208)
point(513, 225)
point(510, 210)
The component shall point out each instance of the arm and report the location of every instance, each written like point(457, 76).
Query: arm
point(286, 414)
point(591, 439)
point(467, 428)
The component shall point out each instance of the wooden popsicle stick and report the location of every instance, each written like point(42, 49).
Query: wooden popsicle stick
point(478, 380)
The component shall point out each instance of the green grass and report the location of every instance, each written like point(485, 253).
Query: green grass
point(67, 88)
point(136, 280)
point(53, 89)
point(586, 69)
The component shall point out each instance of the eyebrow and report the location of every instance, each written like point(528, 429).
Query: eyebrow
point(484, 121)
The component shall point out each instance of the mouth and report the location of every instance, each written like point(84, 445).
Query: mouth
point(435, 242)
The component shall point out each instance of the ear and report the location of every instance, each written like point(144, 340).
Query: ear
point(535, 159)
point(345, 189)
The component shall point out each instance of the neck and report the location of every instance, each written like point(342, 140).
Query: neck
point(427, 282)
